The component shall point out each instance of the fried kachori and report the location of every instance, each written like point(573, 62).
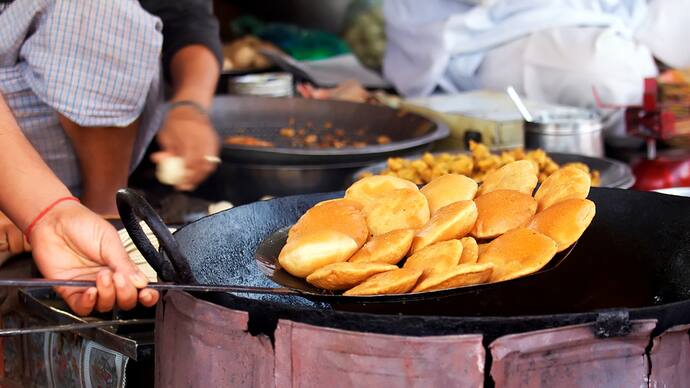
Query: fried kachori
point(517, 253)
point(398, 281)
point(387, 248)
point(447, 189)
point(481, 248)
point(343, 201)
point(470, 250)
point(565, 221)
point(566, 183)
point(341, 215)
point(439, 256)
point(520, 175)
point(342, 276)
point(450, 222)
point(457, 276)
point(398, 209)
point(502, 210)
point(329, 233)
point(300, 257)
point(371, 189)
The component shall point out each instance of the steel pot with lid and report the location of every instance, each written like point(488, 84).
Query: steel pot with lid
point(575, 132)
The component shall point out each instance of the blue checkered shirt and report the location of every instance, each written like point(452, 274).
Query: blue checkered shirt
point(96, 62)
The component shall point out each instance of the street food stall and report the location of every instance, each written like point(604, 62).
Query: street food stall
point(357, 233)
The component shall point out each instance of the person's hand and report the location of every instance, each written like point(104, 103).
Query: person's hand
point(72, 243)
point(348, 90)
point(11, 237)
point(188, 133)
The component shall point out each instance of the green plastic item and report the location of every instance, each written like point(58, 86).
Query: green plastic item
point(299, 43)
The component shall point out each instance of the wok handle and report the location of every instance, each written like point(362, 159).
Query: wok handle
point(133, 207)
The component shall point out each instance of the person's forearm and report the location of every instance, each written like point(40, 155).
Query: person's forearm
point(194, 71)
point(27, 185)
point(105, 156)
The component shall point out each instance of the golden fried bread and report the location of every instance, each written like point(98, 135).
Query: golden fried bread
point(343, 201)
point(387, 248)
point(520, 176)
point(398, 209)
point(342, 276)
point(458, 276)
point(470, 250)
point(341, 215)
point(502, 210)
point(304, 255)
point(398, 281)
point(481, 248)
point(439, 256)
point(449, 188)
point(518, 252)
point(566, 183)
point(329, 233)
point(371, 189)
point(449, 222)
point(565, 221)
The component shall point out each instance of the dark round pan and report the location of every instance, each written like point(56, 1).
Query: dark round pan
point(613, 172)
point(267, 261)
point(633, 262)
point(264, 117)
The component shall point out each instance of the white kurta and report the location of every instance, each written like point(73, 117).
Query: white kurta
point(556, 51)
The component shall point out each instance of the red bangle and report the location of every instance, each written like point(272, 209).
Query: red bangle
point(44, 212)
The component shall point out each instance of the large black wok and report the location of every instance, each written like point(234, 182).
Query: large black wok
point(249, 173)
point(633, 262)
point(264, 117)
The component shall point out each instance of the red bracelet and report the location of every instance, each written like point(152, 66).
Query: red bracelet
point(44, 212)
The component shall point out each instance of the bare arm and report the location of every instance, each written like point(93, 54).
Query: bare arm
point(69, 241)
point(21, 167)
point(194, 71)
point(186, 132)
point(104, 155)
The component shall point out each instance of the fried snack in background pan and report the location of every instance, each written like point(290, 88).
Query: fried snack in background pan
point(329, 233)
point(476, 165)
point(387, 248)
point(502, 210)
point(447, 189)
point(517, 253)
point(439, 256)
point(458, 276)
point(398, 281)
point(371, 189)
point(566, 183)
point(397, 209)
point(565, 221)
point(520, 175)
point(450, 222)
point(470, 250)
point(342, 276)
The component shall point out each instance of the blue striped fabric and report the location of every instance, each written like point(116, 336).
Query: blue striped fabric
point(96, 62)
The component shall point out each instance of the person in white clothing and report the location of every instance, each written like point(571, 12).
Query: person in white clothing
point(555, 51)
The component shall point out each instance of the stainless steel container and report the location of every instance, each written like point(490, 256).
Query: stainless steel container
point(266, 84)
point(579, 132)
